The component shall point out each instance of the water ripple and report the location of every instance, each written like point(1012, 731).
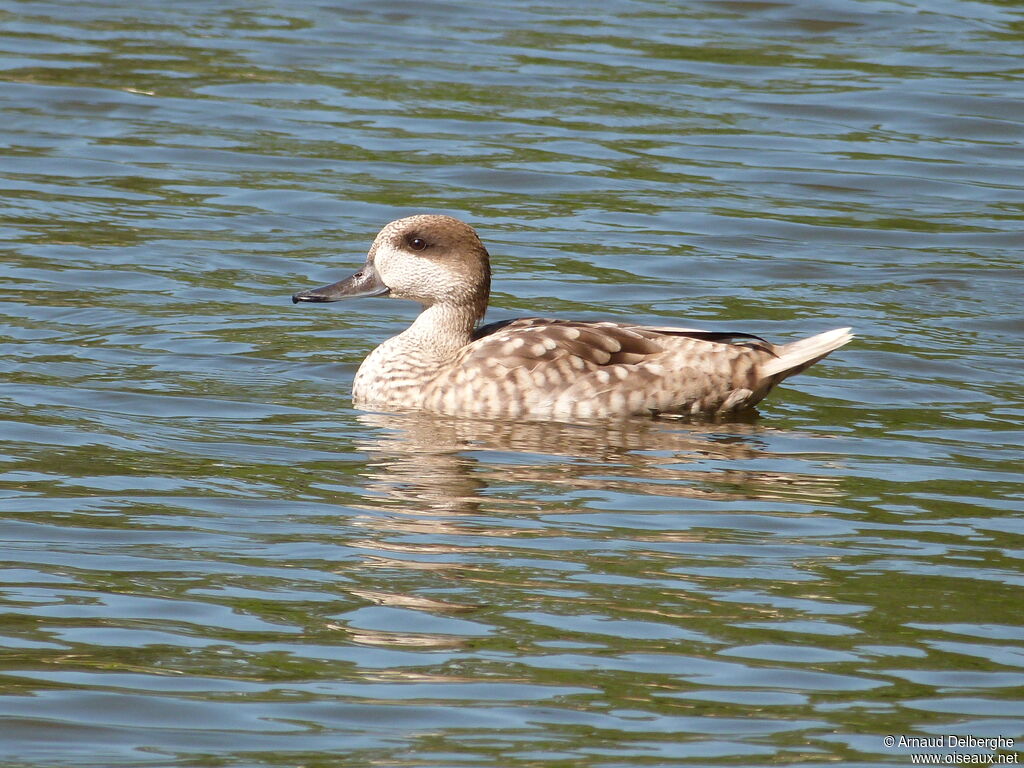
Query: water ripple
point(210, 556)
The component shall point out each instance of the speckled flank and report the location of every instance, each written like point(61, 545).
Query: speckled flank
point(542, 368)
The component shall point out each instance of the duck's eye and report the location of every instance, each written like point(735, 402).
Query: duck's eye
point(417, 243)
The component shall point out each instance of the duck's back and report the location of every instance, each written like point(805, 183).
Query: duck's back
point(538, 367)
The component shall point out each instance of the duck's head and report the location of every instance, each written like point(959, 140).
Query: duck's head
point(431, 259)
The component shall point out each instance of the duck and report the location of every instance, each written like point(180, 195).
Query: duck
point(535, 367)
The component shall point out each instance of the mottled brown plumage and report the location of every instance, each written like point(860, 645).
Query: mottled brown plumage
point(537, 367)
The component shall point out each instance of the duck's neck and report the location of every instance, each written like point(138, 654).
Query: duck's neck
point(439, 332)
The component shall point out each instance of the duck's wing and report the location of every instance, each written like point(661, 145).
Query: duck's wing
point(624, 332)
point(577, 369)
point(527, 342)
point(722, 337)
point(520, 323)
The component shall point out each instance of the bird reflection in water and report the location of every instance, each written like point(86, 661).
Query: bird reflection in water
point(452, 502)
point(429, 464)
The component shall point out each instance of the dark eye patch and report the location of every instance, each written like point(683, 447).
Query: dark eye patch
point(417, 243)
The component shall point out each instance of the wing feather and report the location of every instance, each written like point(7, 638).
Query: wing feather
point(573, 366)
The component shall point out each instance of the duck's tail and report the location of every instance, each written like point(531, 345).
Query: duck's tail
point(799, 355)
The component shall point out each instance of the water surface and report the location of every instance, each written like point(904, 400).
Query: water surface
point(210, 558)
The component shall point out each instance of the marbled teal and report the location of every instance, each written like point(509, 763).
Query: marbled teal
point(540, 368)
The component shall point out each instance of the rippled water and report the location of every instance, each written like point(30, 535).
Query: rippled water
point(211, 559)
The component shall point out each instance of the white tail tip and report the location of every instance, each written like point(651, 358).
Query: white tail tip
point(795, 357)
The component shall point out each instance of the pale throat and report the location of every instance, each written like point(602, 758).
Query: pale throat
point(440, 330)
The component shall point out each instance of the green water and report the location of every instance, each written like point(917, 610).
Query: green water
point(210, 558)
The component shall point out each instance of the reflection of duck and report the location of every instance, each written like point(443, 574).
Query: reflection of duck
point(428, 463)
point(470, 505)
point(549, 369)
